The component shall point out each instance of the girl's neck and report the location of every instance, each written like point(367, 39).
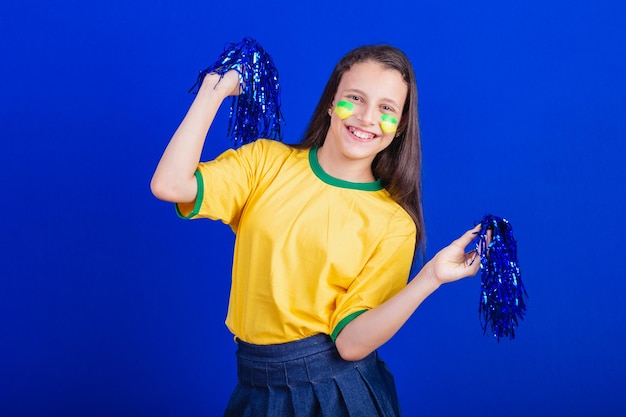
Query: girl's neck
point(345, 169)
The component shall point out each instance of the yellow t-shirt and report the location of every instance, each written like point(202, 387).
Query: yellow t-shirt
point(311, 251)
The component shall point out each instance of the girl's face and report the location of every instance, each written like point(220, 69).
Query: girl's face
point(365, 112)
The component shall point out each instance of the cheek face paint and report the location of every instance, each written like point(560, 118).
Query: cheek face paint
point(388, 123)
point(344, 109)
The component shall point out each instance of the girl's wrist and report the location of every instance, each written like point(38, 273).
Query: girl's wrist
point(428, 278)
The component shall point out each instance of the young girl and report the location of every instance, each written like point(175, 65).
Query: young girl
point(325, 234)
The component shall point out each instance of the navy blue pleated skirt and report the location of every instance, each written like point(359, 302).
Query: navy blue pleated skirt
point(308, 378)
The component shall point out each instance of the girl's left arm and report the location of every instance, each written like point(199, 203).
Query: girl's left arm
point(376, 326)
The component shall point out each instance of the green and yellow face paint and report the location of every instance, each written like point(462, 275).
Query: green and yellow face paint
point(344, 109)
point(388, 123)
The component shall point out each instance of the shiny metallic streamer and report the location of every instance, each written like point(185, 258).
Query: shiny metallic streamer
point(255, 113)
point(502, 303)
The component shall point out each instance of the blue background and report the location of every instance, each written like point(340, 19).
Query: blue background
point(111, 305)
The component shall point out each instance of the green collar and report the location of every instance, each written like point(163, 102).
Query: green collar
point(322, 175)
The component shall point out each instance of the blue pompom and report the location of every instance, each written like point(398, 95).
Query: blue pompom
point(502, 294)
point(255, 113)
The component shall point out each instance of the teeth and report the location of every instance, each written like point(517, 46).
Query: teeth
point(361, 135)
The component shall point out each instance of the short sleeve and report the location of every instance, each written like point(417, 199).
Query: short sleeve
point(384, 275)
point(225, 184)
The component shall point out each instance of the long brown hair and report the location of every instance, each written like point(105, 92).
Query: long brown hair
point(399, 165)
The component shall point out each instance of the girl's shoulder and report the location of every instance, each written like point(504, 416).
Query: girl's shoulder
point(269, 147)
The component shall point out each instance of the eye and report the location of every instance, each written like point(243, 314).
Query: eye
point(354, 98)
point(387, 108)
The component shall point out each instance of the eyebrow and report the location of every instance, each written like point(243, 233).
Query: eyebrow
point(361, 92)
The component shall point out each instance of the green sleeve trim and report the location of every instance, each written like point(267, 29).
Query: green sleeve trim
point(344, 322)
point(199, 197)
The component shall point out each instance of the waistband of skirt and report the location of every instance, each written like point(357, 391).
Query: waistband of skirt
point(282, 352)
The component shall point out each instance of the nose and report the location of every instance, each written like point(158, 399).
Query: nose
point(367, 114)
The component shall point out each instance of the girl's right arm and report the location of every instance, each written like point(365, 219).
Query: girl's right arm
point(174, 180)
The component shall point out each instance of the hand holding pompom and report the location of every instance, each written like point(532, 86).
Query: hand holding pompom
point(228, 83)
point(453, 262)
point(255, 112)
point(502, 303)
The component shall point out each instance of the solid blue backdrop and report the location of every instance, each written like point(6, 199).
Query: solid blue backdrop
point(111, 305)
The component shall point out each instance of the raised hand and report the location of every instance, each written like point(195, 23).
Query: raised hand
point(227, 85)
point(453, 262)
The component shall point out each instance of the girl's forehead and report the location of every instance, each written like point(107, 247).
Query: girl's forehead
point(374, 79)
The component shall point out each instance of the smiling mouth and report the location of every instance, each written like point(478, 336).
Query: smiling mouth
point(359, 134)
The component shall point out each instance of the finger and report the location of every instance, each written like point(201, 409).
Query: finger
point(470, 257)
point(467, 237)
